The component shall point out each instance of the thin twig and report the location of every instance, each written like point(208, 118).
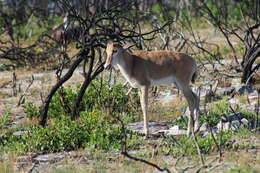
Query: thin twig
point(24, 93)
point(145, 161)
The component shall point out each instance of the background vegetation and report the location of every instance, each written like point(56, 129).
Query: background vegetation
point(223, 36)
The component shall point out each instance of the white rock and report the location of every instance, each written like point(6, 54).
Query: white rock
point(235, 125)
point(234, 101)
point(244, 122)
point(226, 126)
point(236, 82)
point(19, 133)
point(223, 126)
point(176, 127)
point(220, 125)
point(51, 158)
point(177, 132)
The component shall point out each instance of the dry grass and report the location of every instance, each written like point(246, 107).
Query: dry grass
point(243, 161)
point(6, 167)
point(7, 163)
point(166, 111)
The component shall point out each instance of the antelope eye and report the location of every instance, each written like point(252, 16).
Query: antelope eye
point(114, 50)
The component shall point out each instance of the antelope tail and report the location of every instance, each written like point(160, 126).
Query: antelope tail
point(194, 76)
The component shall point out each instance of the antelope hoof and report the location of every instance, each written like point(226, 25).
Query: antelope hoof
point(188, 133)
point(146, 134)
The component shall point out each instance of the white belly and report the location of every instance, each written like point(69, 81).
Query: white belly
point(136, 84)
point(163, 81)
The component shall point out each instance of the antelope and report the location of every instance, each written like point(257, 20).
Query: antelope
point(65, 33)
point(143, 69)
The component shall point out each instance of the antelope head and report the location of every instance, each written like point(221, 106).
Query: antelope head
point(113, 51)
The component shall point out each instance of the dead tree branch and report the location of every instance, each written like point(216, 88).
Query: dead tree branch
point(112, 23)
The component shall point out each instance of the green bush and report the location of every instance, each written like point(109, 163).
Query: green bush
point(4, 120)
point(97, 97)
point(214, 114)
point(64, 134)
point(30, 110)
point(185, 145)
point(91, 130)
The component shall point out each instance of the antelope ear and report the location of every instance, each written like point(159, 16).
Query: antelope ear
point(120, 44)
point(109, 42)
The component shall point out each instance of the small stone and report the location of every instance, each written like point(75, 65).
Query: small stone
point(226, 126)
point(176, 127)
point(234, 101)
point(154, 127)
point(252, 97)
point(18, 117)
point(48, 158)
point(19, 133)
point(203, 108)
point(220, 125)
point(244, 122)
point(177, 132)
point(223, 126)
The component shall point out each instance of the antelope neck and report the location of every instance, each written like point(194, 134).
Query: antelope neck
point(125, 63)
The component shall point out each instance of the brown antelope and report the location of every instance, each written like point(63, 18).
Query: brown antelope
point(64, 33)
point(143, 69)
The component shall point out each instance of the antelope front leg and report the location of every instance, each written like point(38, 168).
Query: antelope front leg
point(196, 121)
point(190, 129)
point(197, 113)
point(144, 105)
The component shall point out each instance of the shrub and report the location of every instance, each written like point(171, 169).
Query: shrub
point(64, 134)
point(186, 145)
point(4, 119)
point(97, 97)
point(30, 110)
point(91, 130)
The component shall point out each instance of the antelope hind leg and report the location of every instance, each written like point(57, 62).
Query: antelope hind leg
point(196, 113)
point(144, 105)
point(193, 103)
